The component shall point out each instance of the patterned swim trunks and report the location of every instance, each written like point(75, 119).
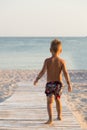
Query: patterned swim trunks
point(54, 88)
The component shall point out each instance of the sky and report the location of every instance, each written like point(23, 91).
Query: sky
point(43, 17)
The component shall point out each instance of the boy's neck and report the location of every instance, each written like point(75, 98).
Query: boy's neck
point(55, 55)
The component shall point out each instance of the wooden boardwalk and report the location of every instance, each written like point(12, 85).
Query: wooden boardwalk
point(26, 110)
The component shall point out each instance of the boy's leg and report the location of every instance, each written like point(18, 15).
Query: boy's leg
point(59, 108)
point(49, 108)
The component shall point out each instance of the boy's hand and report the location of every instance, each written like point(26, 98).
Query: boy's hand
point(69, 88)
point(35, 82)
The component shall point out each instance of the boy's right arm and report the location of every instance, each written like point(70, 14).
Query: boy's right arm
point(66, 75)
point(41, 72)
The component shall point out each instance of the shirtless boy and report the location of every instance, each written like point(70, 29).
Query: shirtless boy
point(54, 66)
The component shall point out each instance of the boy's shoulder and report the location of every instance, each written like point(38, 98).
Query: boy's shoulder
point(48, 59)
point(62, 60)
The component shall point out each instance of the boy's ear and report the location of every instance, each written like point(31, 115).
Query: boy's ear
point(61, 50)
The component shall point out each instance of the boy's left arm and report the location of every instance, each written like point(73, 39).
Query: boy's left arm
point(67, 77)
point(42, 72)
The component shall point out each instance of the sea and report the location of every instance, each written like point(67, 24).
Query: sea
point(30, 52)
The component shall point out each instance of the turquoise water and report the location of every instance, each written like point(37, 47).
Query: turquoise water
point(30, 52)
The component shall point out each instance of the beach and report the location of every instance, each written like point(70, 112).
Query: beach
point(10, 80)
point(31, 33)
point(23, 57)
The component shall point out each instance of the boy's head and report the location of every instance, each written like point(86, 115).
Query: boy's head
point(56, 47)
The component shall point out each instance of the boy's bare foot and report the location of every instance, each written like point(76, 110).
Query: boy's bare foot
point(49, 122)
point(59, 118)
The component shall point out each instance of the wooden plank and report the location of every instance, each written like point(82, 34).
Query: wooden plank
point(26, 110)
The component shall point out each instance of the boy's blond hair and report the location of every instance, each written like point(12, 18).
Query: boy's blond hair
point(55, 44)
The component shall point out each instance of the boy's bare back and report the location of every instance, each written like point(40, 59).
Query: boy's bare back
point(54, 69)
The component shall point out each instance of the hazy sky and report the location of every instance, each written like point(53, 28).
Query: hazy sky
point(43, 17)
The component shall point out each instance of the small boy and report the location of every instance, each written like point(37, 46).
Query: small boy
point(54, 67)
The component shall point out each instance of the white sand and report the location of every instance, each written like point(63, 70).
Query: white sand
point(77, 100)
